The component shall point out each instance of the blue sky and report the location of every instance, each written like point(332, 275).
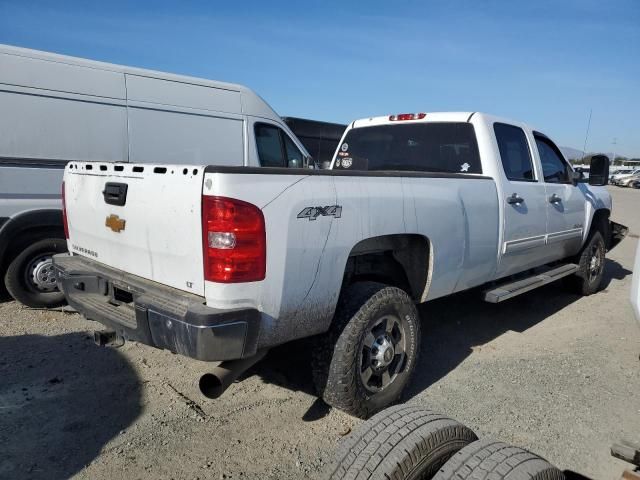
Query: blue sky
point(544, 62)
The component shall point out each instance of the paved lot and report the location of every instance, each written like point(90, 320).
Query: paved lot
point(548, 371)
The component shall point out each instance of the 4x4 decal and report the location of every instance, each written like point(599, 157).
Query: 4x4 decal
point(314, 212)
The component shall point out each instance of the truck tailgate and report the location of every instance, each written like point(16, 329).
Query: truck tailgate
point(142, 219)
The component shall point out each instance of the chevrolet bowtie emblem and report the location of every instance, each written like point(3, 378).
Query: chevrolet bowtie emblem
point(115, 223)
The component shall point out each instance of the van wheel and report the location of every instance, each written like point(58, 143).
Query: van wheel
point(401, 442)
point(363, 363)
point(488, 458)
point(591, 263)
point(30, 278)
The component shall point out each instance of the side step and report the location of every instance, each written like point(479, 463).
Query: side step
point(515, 288)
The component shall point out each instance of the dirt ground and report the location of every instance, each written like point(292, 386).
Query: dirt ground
point(554, 373)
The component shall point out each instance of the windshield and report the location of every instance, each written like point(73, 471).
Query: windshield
point(423, 147)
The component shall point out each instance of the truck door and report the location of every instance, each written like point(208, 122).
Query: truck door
point(565, 201)
point(524, 227)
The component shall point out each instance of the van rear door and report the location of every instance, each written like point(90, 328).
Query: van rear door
point(142, 219)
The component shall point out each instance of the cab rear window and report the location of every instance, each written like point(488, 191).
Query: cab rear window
point(418, 147)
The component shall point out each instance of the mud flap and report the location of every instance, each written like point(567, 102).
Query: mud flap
point(618, 232)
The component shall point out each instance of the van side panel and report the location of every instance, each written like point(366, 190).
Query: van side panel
point(184, 138)
point(29, 188)
point(48, 127)
point(60, 77)
point(181, 123)
point(165, 92)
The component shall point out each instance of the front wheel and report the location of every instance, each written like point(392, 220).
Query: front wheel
point(591, 262)
point(30, 278)
point(365, 361)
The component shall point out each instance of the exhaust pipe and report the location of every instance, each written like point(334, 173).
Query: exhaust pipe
point(213, 385)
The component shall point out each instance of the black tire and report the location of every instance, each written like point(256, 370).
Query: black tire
point(19, 277)
point(364, 312)
point(402, 442)
point(4, 294)
point(489, 459)
point(588, 278)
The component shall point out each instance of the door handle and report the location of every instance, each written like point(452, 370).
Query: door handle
point(515, 199)
point(115, 193)
point(554, 199)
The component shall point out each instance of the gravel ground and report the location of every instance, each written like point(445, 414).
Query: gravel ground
point(554, 373)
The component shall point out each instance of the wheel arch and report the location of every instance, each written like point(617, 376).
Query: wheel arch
point(599, 221)
point(401, 260)
point(31, 225)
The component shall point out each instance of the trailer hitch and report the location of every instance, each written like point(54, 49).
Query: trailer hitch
point(108, 338)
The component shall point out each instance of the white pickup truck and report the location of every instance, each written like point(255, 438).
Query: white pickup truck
point(220, 263)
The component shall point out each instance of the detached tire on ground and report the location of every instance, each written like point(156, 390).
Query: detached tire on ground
point(364, 362)
point(591, 263)
point(30, 278)
point(400, 443)
point(492, 460)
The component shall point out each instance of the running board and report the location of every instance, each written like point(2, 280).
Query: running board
point(513, 289)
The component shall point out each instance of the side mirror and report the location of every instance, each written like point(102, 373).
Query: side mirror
point(577, 176)
point(599, 171)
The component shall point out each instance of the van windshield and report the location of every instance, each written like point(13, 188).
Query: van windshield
point(419, 147)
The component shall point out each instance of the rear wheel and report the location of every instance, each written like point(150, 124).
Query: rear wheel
point(30, 278)
point(364, 362)
point(591, 263)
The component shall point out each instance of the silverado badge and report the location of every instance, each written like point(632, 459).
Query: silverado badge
point(115, 223)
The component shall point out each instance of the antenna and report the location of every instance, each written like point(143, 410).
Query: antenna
point(584, 148)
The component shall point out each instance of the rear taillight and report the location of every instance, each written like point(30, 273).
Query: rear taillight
point(407, 116)
point(64, 214)
point(234, 240)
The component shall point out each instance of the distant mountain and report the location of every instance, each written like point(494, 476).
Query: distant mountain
point(571, 153)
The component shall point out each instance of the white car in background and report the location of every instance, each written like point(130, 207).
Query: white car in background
point(621, 175)
point(628, 180)
point(619, 171)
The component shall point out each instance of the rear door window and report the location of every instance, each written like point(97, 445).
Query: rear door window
point(514, 152)
point(419, 147)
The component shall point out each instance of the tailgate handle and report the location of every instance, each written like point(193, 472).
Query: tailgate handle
point(115, 193)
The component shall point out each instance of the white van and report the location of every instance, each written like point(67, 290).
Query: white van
point(55, 109)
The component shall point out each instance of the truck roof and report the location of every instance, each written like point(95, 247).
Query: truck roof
point(426, 117)
point(252, 103)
